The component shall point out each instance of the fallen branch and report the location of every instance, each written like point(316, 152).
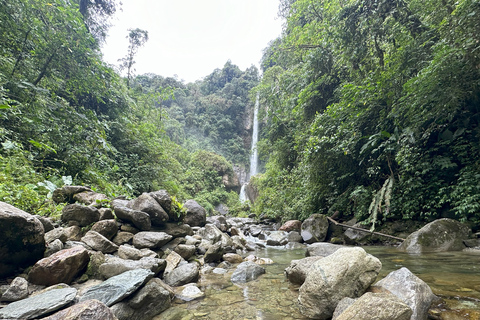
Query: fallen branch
point(364, 230)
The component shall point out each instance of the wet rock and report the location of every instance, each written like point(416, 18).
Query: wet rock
point(378, 306)
point(177, 231)
point(54, 247)
point(17, 290)
point(66, 193)
point(146, 203)
point(255, 230)
point(107, 228)
point(145, 304)
point(322, 249)
point(98, 242)
point(22, 242)
point(196, 215)
point(173, 260)
point(314, 229)
point(437, 236)
point(118, 287)
point(298, 269)
point(163, 198)
point(87, 310)
point(130, 253)
point(211, 233)
point(277, 238)
point(246, 272)
point(291, 225)
point(61, 267)
point(38, 305)
point(123, 237)
point(214, 253)
point(57, 233)
point(114, 266)
point(232, 258)
point(262, 261)
point(150, 240)
point(185, 251)
point(90, 198)
point(410, 289)
point(347, 272)
point(190, 292)
point(294, 236)
point(79, 215)
point(182, 275)
point(139, 219)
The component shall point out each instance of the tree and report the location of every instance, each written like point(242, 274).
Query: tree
point(136, 38)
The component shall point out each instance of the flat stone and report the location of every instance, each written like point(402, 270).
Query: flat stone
point(185, 251)
point(123, 237)
point(87, 310)
point(114, 266)
point(246, 272)
point(173, 260)
point(118, 287)
point(57, 233)
point(322, 249)
point(98, 242)
point(128, 252)
point(182, 275)
point(38, 305)
point(151, 240)
point(190, 293)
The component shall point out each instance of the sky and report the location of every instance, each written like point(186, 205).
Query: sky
point(191, 38)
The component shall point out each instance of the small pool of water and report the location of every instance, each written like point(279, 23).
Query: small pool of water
point(454, 276)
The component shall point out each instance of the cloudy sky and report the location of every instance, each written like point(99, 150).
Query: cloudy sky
point(190, 38)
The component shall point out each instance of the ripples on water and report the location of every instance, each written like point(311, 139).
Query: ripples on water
point(455, 276)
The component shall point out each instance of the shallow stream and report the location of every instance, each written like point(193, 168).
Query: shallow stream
point(454, 276)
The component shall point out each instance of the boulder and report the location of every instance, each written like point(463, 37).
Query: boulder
point(114, 266)
point(46, 222)
point(54, 247)
point(232, 258)
point(118, 287)
point(74, 233)
point(348, 272)
point(214, 253)
point(60, 267)
point(87, 310)
point(298, 269)
point(164, 199)
point(190, 292)
point(246, 272)
point(177, 230)
point(437, 236)
point(291, 225)
point(17, 290)
point(255, 230)
point(144, 304)
point(56, 234)
point(22, 242)
point(146, 203)
point(65, 193)
point(314, 229)
point(93, 268)
point(106, 214)
point(353, 236)
point(98, 242)
point(173, 260)
point(322, 249)
point(123, 237)
point(139, 219)
point(107, 228)
point(277, 238)
point(79, 215)
point(90, 198)
point(182, 275)
point(294, 236)
point(185, 250)
point(38, 305)
point(211, 233)
point(150, 240)
point(196, 216)
point(130, 253)
point(410, 289)
point(379, 306)
point(342, 306)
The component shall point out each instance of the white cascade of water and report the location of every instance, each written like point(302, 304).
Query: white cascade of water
point(254, 154)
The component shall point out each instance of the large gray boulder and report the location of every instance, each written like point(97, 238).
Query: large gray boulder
point(211, 232)
point(114, 266)
point(22, 240)
point(38, 305)
point(98, 242)
point(322, 249)
point(347, 272)
point(79, 215)
point(107, 228)
point(144, 304)
point(437, 236)
point(277, 238)
point(66, 193)
point(246, 272)
point(182, 275)
point(411, 290)
point(17, 290)
point(214, 253)
point(128, 252)
point(148, 204)
point(119, 287)
point(297, 271)
point(196, 215)
point(87, 310)
point(379, 306)
point(164, 199)
point(314, 229)
point(139, 219)
point(151, 240)
point(177, 230)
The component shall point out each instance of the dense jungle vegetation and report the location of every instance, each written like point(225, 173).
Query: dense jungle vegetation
point(66, 117)
point(370, 108)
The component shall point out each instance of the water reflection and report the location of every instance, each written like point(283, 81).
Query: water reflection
point(454, 276)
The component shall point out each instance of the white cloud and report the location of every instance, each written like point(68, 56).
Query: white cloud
point(190, 38)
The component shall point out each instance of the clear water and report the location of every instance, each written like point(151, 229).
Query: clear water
point(455, 276)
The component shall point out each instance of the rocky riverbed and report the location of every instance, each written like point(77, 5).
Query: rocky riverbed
point(139, 259)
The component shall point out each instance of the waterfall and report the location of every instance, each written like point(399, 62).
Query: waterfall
point(254, 154)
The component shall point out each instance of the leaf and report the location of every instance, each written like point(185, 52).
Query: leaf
point(67, 180)
point(4, 106)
